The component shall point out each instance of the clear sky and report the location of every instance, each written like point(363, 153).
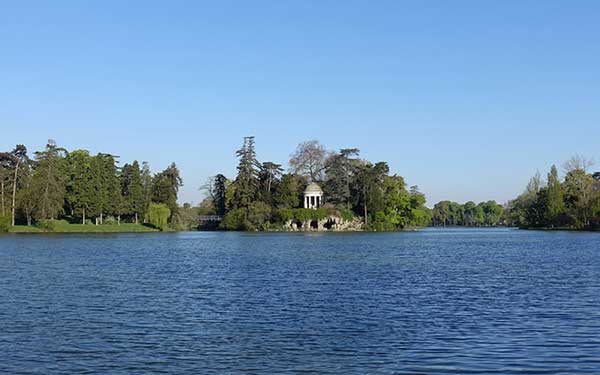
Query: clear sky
point(467, 99)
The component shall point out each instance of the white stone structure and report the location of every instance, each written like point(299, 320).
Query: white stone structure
point(313, 196)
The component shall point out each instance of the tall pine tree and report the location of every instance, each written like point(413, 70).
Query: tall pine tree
point(246, 182)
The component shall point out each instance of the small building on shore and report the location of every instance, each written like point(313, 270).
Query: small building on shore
point(313, 196)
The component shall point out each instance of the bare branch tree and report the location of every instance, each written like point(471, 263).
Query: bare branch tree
point(309, 160)
point(578, 163)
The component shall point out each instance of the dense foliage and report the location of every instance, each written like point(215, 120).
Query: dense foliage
point(80, 188)
point(263, 196)
point(158, 214)
point(470, 214)
point(4, 224)
point(571, 203)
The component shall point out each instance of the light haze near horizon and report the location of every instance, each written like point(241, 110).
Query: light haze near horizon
point(466, 99)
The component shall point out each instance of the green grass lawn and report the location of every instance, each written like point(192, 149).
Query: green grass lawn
point(80, 228)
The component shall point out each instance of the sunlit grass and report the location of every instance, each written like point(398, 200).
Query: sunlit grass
point(61, 227)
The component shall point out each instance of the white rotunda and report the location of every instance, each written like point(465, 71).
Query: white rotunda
point(313, 196)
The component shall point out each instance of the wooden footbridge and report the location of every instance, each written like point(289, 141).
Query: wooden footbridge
point(207, 218)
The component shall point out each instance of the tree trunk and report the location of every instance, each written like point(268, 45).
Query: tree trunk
point(101, 218)
point(14, 193)
point(28, 220)
point(83, 220)
point(119, 219)
point(136, 218)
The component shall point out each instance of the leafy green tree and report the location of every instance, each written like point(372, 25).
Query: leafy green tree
point(579, 194)
point(340, 170)
point(17, 162)
point(397, 203)
point(487, 213)
point(259, 214)
point(106, 186)
point(234, 219)
point(27, 198)
point(269, 172)
point(536, 211)
point(49, 181)
point(166, 186)
point(441, 214)
point(80, 190)
point(158, 215)
point(289, 191)
point(556, 203)
point(473, 214)
point(522, 211)
point(268, 177)
point(4, 224)
point(147, 181)
point(418, 215)
point(132, 190)
point(492, 212)
point(368, 194)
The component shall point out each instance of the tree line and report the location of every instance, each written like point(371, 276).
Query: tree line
point(83, 188)
point(470, 214)
point(262, 195)
point(572, 202)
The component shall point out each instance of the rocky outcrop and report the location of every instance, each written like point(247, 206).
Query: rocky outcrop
point(330, 223)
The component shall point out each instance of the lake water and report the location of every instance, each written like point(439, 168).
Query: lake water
point(439, 301)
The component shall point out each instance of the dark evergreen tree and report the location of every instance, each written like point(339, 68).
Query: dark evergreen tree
point(339, 171)
point(80, 191)
point(246, 182)
point(219, 194)
point(49, 181)
point(132, 190)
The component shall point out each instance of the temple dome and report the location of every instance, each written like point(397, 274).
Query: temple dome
point(313, 188)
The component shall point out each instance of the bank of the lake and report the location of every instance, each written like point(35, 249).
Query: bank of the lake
point(80, 228)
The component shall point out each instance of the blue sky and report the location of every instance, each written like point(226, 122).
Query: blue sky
point(466, 99)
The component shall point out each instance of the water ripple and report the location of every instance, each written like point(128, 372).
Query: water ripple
point(432, 302)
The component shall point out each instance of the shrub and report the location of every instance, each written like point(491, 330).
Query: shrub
point(284, 215)
point(234, 220)
point(109, 220)
point(50, 225)
point(4, 224)
point(303, 214)
point(259, 214)
point(347, 214)
point(319, 214)
point(158, 214)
